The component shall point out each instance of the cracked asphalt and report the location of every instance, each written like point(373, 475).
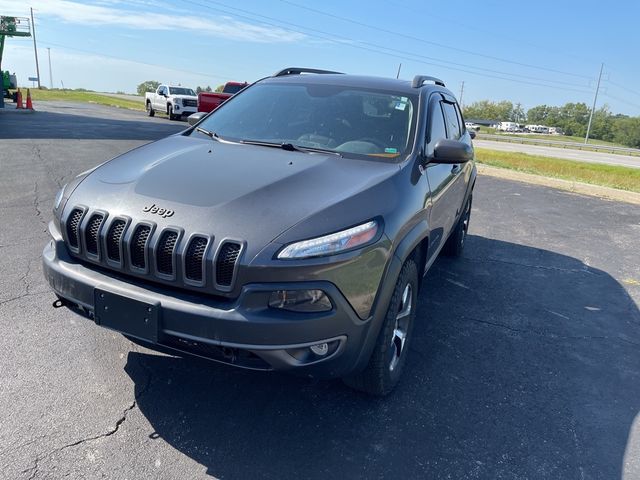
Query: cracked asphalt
point(525, 361)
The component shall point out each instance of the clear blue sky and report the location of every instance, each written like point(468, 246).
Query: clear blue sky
point(529, 52)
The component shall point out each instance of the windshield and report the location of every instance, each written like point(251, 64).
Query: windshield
point(233, 89)
point(181, 91)
point(353, 121)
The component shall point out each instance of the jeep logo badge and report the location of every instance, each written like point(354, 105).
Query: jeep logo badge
point(163, 212)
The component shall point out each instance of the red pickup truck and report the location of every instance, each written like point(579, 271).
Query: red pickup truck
point(209, 101)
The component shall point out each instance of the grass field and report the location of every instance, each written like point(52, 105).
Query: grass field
point(81, 96)
point(623, 178)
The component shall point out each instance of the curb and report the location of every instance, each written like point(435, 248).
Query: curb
point(571, 186)
point(10, 111)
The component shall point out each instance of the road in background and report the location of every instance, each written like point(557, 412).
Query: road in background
point(564, 153)
point(525, 360)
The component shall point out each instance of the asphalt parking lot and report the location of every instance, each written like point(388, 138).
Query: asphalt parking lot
point(525, 360)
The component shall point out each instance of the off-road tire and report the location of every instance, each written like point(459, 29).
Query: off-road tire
point(379, 378)
point(150, 111)
point(456, 241)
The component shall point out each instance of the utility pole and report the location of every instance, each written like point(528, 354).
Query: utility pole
point(50, 74)
point(35, 48)
point(461, 92)
point(398, 74)
point(593, 108)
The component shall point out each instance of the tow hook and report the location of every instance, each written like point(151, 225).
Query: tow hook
point(58, 303)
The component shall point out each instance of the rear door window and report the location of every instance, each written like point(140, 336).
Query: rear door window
point(437, 130)
point(454, 131)
point(460, 118)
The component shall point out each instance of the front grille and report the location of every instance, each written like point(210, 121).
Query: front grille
point(91, 234)
point(73, 226)
point(190, 103)
point(226, 263)
point(164, 252)
point(169, 256)
point(193, 260)
point(114, 236)
point(138, 246)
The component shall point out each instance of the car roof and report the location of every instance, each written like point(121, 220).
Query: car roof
point(379, 83)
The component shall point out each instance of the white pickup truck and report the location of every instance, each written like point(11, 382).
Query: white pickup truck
point(174, 101)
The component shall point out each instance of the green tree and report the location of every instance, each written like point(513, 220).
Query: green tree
point(539, 115)
point(488, 110)
point(219, 88)
point(626, 130)
point(148, 86)
point(602, 125)
point(518, 113)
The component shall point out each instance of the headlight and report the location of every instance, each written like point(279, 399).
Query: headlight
point(332, 243)
point(58, 199)
point(177, 101)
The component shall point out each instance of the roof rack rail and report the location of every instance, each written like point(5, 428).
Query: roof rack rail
point(298, 71)
point(418, 80)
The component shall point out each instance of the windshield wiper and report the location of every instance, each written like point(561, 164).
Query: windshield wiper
point(284, 146)
point(290, 147)
point(213, 135)
point(318, 150)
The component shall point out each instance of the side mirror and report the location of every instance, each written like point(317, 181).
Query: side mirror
point(195, 117)
point(473, 134)
point(451, 152)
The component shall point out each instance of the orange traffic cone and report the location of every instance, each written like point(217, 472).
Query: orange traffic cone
point(29, 103)
point(19, 100)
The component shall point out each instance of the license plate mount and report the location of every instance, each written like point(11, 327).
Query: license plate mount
point(127, 315)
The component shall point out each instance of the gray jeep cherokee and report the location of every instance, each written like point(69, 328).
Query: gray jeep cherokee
point(290, 229)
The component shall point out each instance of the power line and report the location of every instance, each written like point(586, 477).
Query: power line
point(411, 37)
point(458, 23)
point(349, 41)
point(622, 100)
point(628, 90)
point(377, 48)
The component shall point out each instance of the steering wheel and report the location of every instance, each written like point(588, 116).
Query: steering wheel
point(374, 141)
point(317, 140)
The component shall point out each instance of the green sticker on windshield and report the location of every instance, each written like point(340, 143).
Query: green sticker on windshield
point(390, 150)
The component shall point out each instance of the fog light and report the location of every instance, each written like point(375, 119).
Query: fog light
point(315, 353)
point(320, 349)
point(300, 300)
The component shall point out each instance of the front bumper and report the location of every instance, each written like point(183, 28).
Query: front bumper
point(243, 331)
point(180, 109)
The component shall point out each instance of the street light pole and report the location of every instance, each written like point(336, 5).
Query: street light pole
point(35, 48)
point(50, 74)
point(593, 108)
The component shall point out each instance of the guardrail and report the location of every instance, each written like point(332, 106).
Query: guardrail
point(559, 144)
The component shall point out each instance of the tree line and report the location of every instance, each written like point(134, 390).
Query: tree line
point(572, 118)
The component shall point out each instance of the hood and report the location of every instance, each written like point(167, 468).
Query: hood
point(235, 191)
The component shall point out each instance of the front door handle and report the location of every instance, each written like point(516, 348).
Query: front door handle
point(455, 169)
